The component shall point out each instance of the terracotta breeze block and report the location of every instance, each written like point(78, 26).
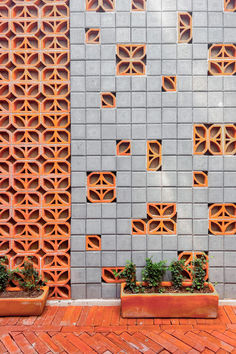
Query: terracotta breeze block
point(169, 83)
point(93, 243)
point(222, 219)
point(154, 155)
point(200, 179)
point(230, 5)
point(92, 36)
point(131, 59)
point(215, 139)
point(138, 5)
point(108, 100)
point(123, 148)
point(100, 5)
point(101, 187)
point(208, 139)
point(222, 59)
point(185, 27)
point(161, 220)
point(35, 138)
point(108, 275)
point(188, 257)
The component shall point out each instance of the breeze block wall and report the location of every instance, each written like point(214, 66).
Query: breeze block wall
point(35, 138)
point(153, 108)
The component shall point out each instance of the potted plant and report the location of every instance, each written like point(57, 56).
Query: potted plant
point(175, 299)
point(30, 295)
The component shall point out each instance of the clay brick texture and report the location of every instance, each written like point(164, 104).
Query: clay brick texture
point(35, 139)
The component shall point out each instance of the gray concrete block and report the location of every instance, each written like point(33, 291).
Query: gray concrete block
point(108, 242)
point(78, 275)
point(123, 242)
point(78, 291)
point(108, 291)
point(77, 259)
point(93, 259)
point(94, 291)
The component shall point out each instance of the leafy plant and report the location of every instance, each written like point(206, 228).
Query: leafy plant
point(153, 272)
point(176, 268)
point(161, 290)
point(198, 272)
point(4, 274)
point(28, 277)
point(129, 274)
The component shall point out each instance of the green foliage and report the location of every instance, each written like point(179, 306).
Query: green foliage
point(161, 290)
point(176, 268)
point(153, 272)
point(28, 277)
point(129, 274)
point(4, 274)
point(198, 273)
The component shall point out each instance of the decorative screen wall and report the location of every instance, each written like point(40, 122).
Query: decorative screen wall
point(153, 110)
point(35, 138)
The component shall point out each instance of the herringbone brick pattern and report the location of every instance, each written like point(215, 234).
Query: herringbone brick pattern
point(102, 330)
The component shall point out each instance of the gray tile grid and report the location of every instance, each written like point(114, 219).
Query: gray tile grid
point(144, 113)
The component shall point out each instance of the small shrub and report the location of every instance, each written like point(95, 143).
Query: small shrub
point(4, 274)
point(153, 272)
point(176, 268)
point(28, 277)
point(198, 273)
point(129, 274)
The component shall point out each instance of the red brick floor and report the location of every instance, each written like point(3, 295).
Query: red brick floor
point(102, 330)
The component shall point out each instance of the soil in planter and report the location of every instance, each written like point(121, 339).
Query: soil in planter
point(170, 289)
point(20, 294)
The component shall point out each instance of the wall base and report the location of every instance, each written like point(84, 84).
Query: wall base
point(112, 302)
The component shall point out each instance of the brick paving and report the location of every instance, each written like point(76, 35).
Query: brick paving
point(76, 329)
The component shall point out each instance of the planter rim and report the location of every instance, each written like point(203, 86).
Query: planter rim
point(44, 288)
point(165, 284)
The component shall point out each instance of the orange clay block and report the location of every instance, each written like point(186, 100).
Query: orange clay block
point(108, 100)
point(35, 138)
point(161, 227)
point(108, 275)
point(100, 5)
point(101, 187)
point(131, 59)
point(188, 258)
point(222, 59)
point(123, 148)
point(169, 83)
point(138, 5)
point(139, 227)
point(162, 219)
point(185, 27)
point(230, 139)
point(208, 139)
point(200, 179)
point(154, 155)
point(222, 219)
point(161, 210)
point(93, 243)
point(92, 36)
point(230, 5)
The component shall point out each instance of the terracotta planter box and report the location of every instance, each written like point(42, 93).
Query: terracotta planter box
point(24, 306)
point(169, 305)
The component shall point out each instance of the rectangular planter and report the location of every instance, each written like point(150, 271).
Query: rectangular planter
point(171, 305)
point(24, 306)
